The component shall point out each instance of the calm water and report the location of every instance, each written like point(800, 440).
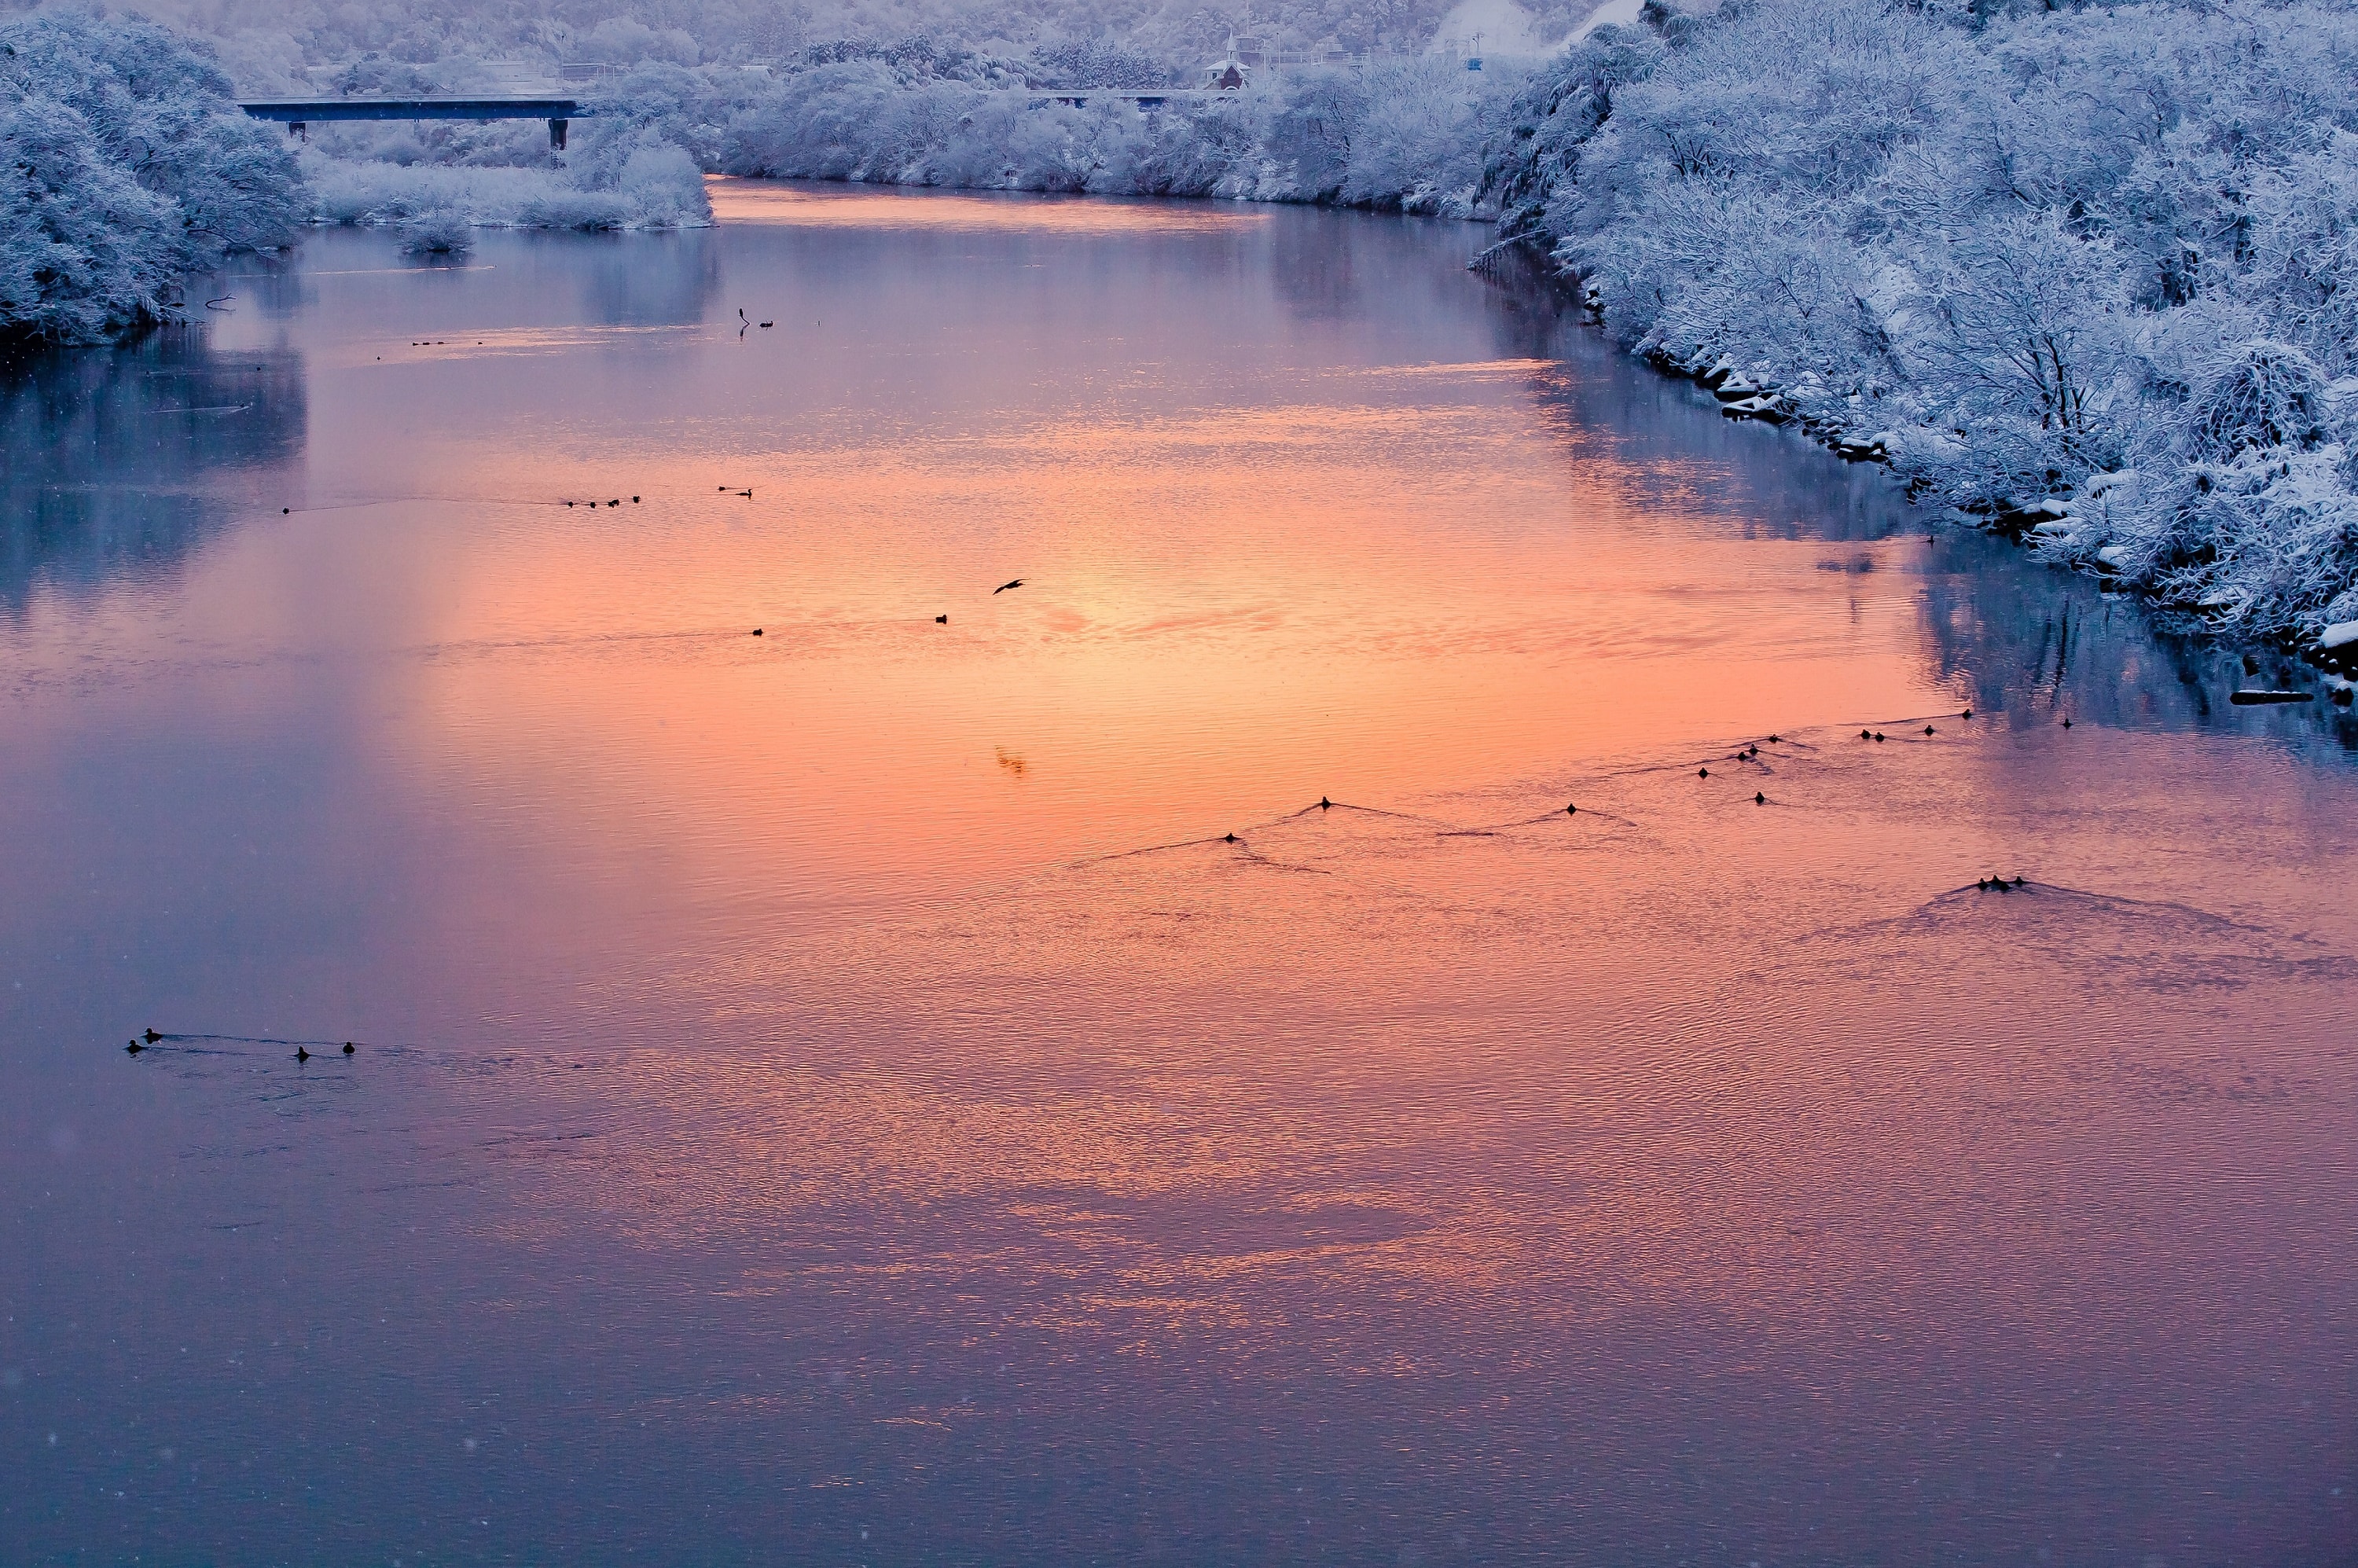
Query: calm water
point(840, 1096)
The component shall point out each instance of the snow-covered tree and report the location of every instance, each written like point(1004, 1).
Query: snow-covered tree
point(124, 165)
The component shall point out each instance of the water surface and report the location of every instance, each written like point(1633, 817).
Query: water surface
point(844, 1095)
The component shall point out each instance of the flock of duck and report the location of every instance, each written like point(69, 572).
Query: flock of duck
point(1750, 753)
point(151, 1037)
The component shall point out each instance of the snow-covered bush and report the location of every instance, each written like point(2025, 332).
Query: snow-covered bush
point(127, 166)
point(2090, 272)
point(442, 236)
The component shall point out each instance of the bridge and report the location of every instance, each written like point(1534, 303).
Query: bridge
point(299, 114)
point(296, 113)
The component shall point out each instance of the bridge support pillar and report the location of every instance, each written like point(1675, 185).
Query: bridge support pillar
point(557, 135)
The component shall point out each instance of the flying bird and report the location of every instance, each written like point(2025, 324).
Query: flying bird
point(1004, 586)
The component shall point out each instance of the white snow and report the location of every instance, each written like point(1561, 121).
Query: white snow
point(2338, 635)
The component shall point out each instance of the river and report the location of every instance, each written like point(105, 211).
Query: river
point(1379, 1007)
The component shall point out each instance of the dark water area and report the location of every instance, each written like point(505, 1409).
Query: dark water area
point(900, 1091)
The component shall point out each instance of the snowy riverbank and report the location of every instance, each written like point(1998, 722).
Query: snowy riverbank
point(2089, 275)
point(1403, 135)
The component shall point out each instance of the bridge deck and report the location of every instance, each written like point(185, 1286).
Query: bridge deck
point(296, 113)
point(318, 111)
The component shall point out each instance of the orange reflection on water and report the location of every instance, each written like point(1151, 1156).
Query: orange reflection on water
point(1371, 588)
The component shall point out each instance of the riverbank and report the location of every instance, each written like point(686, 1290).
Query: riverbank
point(2079, 277)
point(2050, 525)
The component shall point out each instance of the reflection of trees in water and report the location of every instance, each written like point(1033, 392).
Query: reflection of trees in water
point(2037, 643)
point(118, 462)
point(644, 279)
point(1316, 261)
point(2029, 642)
point(1337, 266)
point(1663, 449)
point(276, 285)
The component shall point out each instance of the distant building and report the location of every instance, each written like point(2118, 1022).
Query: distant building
point(1231, 73)
point(1250, 58)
